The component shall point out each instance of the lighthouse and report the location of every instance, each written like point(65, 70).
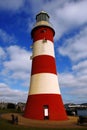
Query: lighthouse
point(44, 100)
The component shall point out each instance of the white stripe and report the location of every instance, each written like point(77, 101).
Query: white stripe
point(43, 48)
point(40, 23)
point(46, 83)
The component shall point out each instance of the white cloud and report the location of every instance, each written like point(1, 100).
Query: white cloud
point(72, 80)
point(17, 65)
point(35, 6)
point(12, 5)
point(73, 87)
point(6, 38)
point(75, 47)
point(81, 66)
point(73, 84)
point(73, 13)
point(20, 75)
point(2, 53)
point(3, 85)
point(67, 80)
point(10, 95)
point(66, 15)
point(19, 59)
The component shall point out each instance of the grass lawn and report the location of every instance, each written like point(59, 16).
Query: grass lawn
point(8, 111)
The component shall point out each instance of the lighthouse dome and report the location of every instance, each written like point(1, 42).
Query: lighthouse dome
point(42, 19)
point(42, 16)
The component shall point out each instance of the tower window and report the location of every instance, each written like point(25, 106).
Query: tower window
point(42, 17)
point(43, 31)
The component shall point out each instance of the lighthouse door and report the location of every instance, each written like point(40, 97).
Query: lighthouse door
point(46, 112)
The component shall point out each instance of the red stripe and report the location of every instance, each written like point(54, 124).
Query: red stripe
point(42, 33)
point(35, 107)
point(43, 64)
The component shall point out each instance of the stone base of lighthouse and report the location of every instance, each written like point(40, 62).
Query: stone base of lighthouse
point(45, 106)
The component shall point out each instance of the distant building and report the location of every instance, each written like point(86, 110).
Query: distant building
point(3, 105)
point(72, 109)
point(20, 106)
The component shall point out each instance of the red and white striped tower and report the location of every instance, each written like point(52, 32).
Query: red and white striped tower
point(44, 99)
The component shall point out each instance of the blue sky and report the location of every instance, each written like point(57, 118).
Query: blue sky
point(69, 18)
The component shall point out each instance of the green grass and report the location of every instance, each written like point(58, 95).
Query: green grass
point(9, 111)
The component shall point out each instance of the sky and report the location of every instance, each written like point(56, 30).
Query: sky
point(69, 19)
